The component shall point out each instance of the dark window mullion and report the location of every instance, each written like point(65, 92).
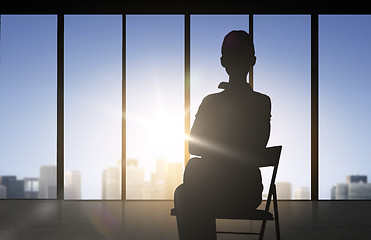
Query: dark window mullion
point(187, 74)
point(123, 136)
point(314, 107)
point(60, 107)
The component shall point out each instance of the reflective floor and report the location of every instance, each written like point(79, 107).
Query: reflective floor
point(136, 220)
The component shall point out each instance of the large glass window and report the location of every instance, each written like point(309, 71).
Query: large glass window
point(282, 71)
point(155, 105)
point(344, 94)
point(155, 101)
point(93, 112)
point(28, 106)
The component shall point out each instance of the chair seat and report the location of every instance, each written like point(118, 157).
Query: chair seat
point(256, 215)
point(269, 159)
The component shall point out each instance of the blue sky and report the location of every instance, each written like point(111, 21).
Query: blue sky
point(345, 59)
point(282, 45)
point(155, 91)
point(27, 94)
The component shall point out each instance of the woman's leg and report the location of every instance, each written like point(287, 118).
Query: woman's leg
point(194, 220)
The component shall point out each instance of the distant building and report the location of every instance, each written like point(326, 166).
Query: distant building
point(174, 178)
point(135, 185)
point(359, 190)
point(333, 193)
point(341, 191)
point(111, 183)
point(161, 169)
point(147, 190)
point(52, 191)
point(356, 187)
point(158, 188)
point(72, 187)
point(31, 187)
point(164, 180)
point(132, 162)
point(301, 193)
point(48, 182)
point(283, 190)
point(357, 178)
point(14, 187)
point(2, 192)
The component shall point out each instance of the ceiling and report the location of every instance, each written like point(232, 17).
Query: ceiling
point(181, 7)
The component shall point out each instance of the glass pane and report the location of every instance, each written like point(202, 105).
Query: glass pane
point(155, 105)
point(28, 106)
point(207, 34)
point(345, 60)
point(93, 86)
point(282, 71)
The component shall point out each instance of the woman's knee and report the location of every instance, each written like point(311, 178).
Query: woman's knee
point(193, 170)
point(178, 193)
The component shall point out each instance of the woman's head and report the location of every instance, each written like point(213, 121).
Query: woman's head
point(238, 53)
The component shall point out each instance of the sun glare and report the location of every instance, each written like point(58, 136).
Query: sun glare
point(167, 135)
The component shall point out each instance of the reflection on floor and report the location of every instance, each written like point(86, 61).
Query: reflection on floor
point(141, 220)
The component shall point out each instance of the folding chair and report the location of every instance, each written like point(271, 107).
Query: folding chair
point(270, 158)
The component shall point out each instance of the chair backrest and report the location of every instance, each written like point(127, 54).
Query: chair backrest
point(271, 158)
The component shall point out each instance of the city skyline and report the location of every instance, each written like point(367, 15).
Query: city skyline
point(162, 182)
point(355, 187)
point(164, 179)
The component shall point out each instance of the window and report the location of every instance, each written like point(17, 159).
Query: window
point(93, 47)
point(28, 112)
point(155, 98)
point(282, 71)
point(345, 59)
point(155, 105)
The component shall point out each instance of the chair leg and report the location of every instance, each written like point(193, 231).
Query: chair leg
point(276, 220)
point(262, 229)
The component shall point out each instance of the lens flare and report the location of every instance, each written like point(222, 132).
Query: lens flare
point(105, 221)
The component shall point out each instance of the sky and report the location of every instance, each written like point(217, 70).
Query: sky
point(93, 85)
point(282, 45)
point(155, 91)
point(27, 94)
point(344, 92)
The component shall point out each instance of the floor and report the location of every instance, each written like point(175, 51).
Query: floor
point(141, 220)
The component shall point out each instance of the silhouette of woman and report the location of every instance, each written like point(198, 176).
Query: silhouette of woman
point(230, 127)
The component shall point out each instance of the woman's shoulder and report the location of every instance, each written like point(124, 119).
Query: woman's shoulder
point(213, 98)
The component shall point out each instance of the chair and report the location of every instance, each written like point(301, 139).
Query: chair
point(270, 158)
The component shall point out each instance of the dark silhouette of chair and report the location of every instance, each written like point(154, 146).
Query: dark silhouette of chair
point(269, 159)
